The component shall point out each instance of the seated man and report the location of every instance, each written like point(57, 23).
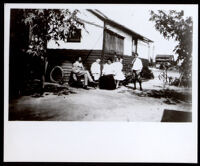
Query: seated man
point(137, 68)
point(95, 69)
point(79, 70)
point(107, 80)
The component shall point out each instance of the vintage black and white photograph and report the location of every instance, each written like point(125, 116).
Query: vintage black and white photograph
point(100, 82)
point(100, 65)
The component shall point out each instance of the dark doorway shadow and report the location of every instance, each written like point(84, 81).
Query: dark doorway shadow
point(176, 116)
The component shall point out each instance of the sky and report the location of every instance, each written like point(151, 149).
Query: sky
point(136, 17)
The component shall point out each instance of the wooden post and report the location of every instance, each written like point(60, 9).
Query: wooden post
point(133, 42)
point(136, 45)
point(103, 48)
point(149, 57)
point(153, 56)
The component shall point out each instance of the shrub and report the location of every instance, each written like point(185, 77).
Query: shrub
point(146, 73)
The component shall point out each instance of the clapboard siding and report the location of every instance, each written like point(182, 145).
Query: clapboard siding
point(127, 63)
point(65, 59)
point(72, 55)
point(66, 65)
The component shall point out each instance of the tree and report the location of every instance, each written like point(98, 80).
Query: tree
point(45, 25)
point(172, 24)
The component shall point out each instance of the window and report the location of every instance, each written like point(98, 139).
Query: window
point(74, 36)
point(114, 42)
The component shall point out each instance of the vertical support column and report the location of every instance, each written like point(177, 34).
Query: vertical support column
point(133, 43)
point(103, 48)
point(153, 56)
point(136, 46)
point(149, 56)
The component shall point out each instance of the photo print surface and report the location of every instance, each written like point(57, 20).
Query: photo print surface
point(100, 65)
point(100, 83)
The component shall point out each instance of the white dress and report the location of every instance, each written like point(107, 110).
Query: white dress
point(119, 75)
point(95, 70)
point(108, 69)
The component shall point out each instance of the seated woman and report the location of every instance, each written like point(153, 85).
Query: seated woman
point(107, 79)
point(79, 70)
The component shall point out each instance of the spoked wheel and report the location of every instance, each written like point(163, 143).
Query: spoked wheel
point(56, 74)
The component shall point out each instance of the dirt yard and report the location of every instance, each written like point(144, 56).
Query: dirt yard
point(123, 104)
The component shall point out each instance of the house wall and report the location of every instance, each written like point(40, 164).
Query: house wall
point(92, 35)
point(90, 47)
point(67, 58)
point(143, 50)
point(127, 39)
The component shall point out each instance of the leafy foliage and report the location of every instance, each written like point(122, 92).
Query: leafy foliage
point(172, 24)
point(42, 26)
point(46, 24)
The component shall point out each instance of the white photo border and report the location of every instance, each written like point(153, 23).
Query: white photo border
point(100, 141)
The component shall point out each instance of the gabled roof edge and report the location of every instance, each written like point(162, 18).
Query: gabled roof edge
point(101, 16)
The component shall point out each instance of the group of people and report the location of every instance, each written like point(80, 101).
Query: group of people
point(111, 74)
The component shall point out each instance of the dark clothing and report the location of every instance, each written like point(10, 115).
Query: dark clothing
point(107, 82)
point(137, 75)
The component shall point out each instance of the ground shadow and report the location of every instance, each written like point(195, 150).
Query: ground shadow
point(28, 115)
point(171, 96)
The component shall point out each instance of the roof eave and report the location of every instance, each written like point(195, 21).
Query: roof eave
point(131, 32)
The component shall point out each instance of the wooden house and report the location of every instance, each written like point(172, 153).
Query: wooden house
point(164, 58)
point(101, 38)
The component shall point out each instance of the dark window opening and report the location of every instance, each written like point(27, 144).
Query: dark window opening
point(74, 36)
point(114, 42)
